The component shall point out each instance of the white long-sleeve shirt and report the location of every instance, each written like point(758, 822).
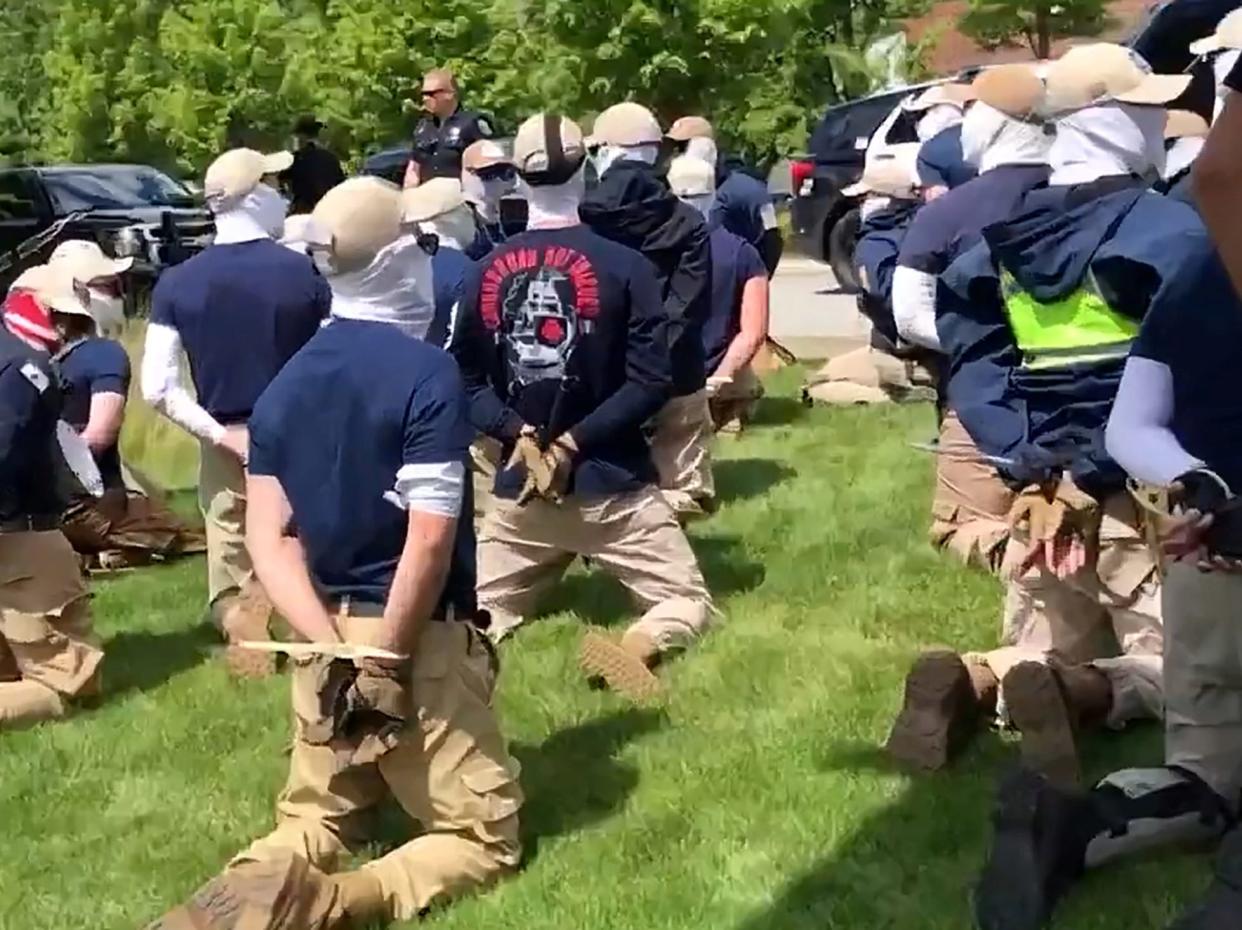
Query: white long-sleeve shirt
point(1138, 436)
point(914, 307)
point(164, 389)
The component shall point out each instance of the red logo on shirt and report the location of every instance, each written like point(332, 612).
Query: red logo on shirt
point(571, 265)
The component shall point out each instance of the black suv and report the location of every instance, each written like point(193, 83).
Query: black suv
point(130, 210)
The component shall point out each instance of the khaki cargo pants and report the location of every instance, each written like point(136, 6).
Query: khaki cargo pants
point(48, 651)
point(734, 403)
point(222, 500)
point(1113, 606)
point(635, 537)
point(450, 770)
point(681, 451)
point(970, 512)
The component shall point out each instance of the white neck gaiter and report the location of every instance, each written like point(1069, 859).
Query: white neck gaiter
point(936, 120)
point(454, 229)
point(991, 139)
point(554, 206)
point(703, 149)
point(260, 215)
point(608, 155)
point(485, 195)
point(1107, 140)
point(702, 204)
point(396, 288)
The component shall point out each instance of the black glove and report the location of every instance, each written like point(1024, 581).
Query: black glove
point(1201, 490)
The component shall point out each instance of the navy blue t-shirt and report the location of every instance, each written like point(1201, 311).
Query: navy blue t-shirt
point(357, 403)
point(30, 403)
point(1194, 328)
point(94, 366)
point(954, 222)
point(734, 262)
point(562, 329)
point(940, 161)
point(741, 205)
point(448, 273)
point(242, 311)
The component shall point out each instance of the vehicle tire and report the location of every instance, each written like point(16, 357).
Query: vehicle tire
point(840, 242)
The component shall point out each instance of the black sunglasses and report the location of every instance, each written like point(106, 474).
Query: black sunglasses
point(434, 93)
point(497, 173)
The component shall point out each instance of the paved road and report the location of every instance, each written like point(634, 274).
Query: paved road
point(810, 315)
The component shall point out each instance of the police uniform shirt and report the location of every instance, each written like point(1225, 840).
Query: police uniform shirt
point(94, 366)
point(29, 409)
point(438, 144)
point(354, 406)
point(563, 329)
point(744, 207)
point(242, 311)
point(940, 162)
point(734, 262)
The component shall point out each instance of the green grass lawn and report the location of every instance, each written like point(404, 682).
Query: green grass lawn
point(757, 800)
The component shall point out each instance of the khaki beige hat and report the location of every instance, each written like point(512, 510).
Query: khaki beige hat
point(56, 288)
point(691, 177)
point(1228, 35)
point(1102, 73)
point(87, 261)
point(886, 176)
point(1014, 90)
point(626, 124)
point(1185, 124)
point(431, 199)
point(357, 220)
point(237, 172)
point(485, 153)
point(530, 146)
point(691, 127)
point(952, 93)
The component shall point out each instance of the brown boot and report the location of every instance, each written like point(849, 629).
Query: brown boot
point(1048, 705)
point(362, 897)
point(941, 712)
point(246, 616)
point(282, 894)
point(624, 666)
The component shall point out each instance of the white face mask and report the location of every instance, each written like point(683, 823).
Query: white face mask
point(1107, 140)
point(268, 209)
point(609, 155)
point(703, 149)
point(980, 129)
point(396, 288)
point(108, 311)
point(936, 120)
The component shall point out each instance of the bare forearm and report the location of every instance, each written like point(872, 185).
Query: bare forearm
point(415, 591)
point(740, 352)
point(281, 567)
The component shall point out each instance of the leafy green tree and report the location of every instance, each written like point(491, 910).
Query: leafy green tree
point(1033, 23)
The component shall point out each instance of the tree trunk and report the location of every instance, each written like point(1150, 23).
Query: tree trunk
point(1043, 39)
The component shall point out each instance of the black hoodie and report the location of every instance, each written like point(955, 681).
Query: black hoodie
point(633, 206)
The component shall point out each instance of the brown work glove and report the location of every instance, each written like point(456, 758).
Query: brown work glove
point(527, 454)
point(1062, 521)
point(555, 468)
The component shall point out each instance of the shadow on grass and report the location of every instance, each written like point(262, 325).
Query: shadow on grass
point(740, 479)
point(777, 411)
point(143, 661)
point(573, 778)
point(600, 600)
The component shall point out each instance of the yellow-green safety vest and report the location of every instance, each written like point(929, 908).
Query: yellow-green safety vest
point(1079, 328)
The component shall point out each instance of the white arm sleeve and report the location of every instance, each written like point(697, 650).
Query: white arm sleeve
point(162, 387)
point(1138, 435)
point(435, 489)
point(914, 307)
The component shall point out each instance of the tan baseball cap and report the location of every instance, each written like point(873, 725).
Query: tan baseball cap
point(237, 172)
point(1014, 90)
point(626, 124)
point(953, 94)
point(886, 176)
point(691, 177)
point(1102, 73)
point(1228, 35)
point(485, 153)
point(431, 199)
point(356, 220)
point(1185, 124)
point(56, 288)
point(87, 261)
point(691, 127)
point(530, 146)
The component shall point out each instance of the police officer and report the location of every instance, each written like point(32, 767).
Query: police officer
point(487, 177)
point(315, 170)
point(632, 205)
point(444, 133)
point(743, 205)
point(565, 355)
point(373, 493)
point(738, 324)
point(1036, 321)
point(239, 309)
point(49, 655)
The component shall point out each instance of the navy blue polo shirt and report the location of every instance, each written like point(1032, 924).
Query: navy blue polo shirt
point(94, 366)
point(357, 403)
point(242, 311)
point(30, 403)
point(741, 202)
point(940, 161)
point(448, 274)
point(954, 222)
point(1194, 327)
point(734, 262)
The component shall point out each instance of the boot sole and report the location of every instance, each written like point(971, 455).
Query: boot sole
point(1040, 711)
point(1010, 894)
point(250, 663)
point(939, 714)
point(624, 673)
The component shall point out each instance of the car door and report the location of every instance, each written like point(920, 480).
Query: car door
point(23, 209)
